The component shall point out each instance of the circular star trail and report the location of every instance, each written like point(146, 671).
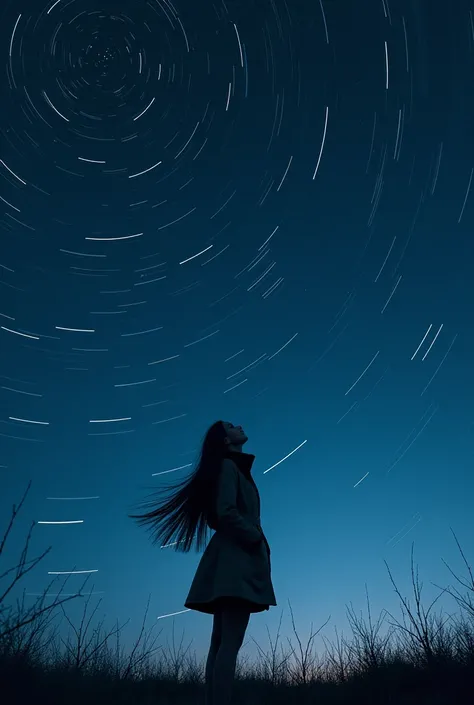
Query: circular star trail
point(133, 162)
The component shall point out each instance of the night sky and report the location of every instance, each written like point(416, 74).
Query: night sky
point(255, 211)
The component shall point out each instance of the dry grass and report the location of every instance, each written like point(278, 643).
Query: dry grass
point(423, 659)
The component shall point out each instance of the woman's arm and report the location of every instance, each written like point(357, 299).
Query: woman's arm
point(229, 519)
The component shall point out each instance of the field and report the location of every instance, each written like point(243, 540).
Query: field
point(423, 658)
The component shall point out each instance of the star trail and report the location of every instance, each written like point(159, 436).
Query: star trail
point(259, 212)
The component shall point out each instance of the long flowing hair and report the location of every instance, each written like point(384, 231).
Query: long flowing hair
point(192, 500)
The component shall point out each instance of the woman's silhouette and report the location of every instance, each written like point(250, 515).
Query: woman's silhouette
point(233, 578)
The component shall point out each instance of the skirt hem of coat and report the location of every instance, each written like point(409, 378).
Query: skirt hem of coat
point(226, 602)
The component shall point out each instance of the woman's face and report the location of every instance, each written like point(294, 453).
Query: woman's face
point(235, 435)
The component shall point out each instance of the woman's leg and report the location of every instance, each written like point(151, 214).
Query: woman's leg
point(234, 624)
point(211, 658)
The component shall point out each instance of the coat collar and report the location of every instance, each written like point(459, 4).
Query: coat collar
point(244, 461)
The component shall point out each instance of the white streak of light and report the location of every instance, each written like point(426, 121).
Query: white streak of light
point(268, 238)
point(322, 143)
point(406, 43)
point(133, 176)
point(173, 614)
point(113, 239)
point(128, 418)
point(324, 19)
point(234, 355)
point(9, 204)
point(362, 478)
point(147, 107)
point(92, 161)
point(76, 521)
point(465, 198)
point(424, 338)
point(439, 366)
point(432, 342)
point(181, 467)
point(240, 46)
point(385, 260)
point(53, 6)
point(407, 532)
point(189, 140)
point(165, 359)
point(188, 345)
point(393, 291)
point(55, 109)
point(73, 572)
point(235, 386)
point(246, 367)
point(403, 527)
point(16, 332)
point(172, 418)
point(196, 255)
point(39, 423)
point(283, 346)
point(11, 172)
point(13, 34)
point(74, 498)
point(362, 374)
point(284, 175)
point(262, 276)
point(286, 456)
point(134, 384)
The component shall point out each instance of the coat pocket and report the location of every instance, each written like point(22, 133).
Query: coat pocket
point(254, 549)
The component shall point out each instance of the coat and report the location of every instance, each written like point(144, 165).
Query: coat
point(236, 562)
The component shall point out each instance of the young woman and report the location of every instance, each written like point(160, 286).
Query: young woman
point(233, 578)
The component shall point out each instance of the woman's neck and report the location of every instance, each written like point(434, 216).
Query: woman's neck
point(235, 449)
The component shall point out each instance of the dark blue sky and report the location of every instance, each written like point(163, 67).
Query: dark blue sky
point(259, 212)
